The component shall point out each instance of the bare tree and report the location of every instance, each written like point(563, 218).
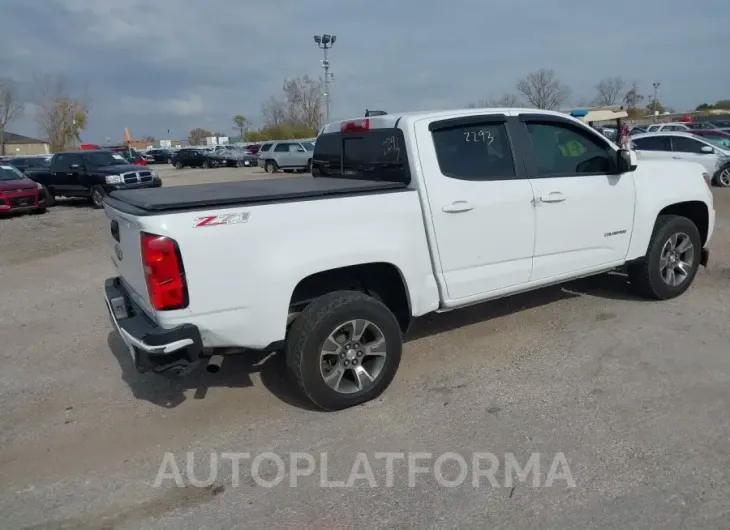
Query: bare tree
point(273, 111)
point(197, 136)
point(304, 100)
point(610, 90)
point(543, 89)
point(506, 100)
point(632, 98)
point(60, 116)
point(11, 108)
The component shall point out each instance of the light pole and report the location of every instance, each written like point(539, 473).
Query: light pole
point(325, 42)
point(656, 85)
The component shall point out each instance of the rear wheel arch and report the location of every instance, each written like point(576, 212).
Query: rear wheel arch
point(381, 280)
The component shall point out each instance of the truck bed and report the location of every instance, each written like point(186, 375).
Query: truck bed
point(158, 201)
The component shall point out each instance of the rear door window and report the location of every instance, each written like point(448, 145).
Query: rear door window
point(281, 148)
point(653, 143)
point(686, 145)
point(265, 147)
point(378, 154)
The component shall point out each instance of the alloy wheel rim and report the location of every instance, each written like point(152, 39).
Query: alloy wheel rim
point(353, 356)
point(725, 177)
point(676, 259)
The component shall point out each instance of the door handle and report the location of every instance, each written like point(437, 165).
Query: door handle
point(457, 207)
point(676, 158)
point(554, 196)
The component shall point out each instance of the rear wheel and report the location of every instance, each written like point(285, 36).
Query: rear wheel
point(344, 349)
point(178, 165)
point(722, 178)
point(97, 196)
point(671, 261)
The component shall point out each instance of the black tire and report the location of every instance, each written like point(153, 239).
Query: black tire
point(646, 276)
point(40, 211)
point(50, 199)
point(206, 164)
point(271, 167)
point(314, 325)
point(239, 163)
point(308, 169)
point(97, 197)
point(178, 165)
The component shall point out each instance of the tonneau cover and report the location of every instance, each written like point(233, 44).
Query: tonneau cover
point(152, 201)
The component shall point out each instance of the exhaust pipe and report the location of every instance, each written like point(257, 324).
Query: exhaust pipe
point(214, 364)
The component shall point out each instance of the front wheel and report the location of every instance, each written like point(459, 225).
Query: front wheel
point(671, 261)
point(50, 198)
point(206, 164)
point(178, 165)
point(344, 349)
point(97, 197)
point(271, 167)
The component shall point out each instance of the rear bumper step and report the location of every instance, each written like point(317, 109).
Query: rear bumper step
point(153, 348)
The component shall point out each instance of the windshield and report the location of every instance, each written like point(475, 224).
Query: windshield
point(309, 146)
point(10, 173)
point(723, 142)
point(103, 159)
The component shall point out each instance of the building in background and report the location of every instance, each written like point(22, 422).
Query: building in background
point(17, 144)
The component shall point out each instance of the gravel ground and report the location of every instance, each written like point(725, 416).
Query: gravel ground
point(635, 395)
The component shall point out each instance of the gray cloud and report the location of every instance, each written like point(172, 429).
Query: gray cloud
point(177, 64)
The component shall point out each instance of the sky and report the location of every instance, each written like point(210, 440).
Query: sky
point(154, 65)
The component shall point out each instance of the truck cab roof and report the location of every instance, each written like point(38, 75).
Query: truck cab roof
point(403, 119)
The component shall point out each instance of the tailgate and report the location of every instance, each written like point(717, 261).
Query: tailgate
point(124, 236)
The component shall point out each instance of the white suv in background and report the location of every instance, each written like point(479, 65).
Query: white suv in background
point(685, 146)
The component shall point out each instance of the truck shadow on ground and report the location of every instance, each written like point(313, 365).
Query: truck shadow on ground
point(237, 369)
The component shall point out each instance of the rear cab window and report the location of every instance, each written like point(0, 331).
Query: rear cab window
point(375, 154)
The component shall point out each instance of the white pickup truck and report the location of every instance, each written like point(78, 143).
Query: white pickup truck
point(405, 214)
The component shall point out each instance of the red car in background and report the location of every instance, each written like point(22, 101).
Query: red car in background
point(19, 194)
point(715, 136)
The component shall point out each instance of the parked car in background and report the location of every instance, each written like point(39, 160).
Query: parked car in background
point(701, 126)
point(287, 155)
point(92, 175)
point(686, 146)
point(194, 157)
point(18, 193)
point(29, 162)
point(160, 156)
point(130, 154)
point(253, 148)
point(637, 130)
point(667, 127)
point(235, 157)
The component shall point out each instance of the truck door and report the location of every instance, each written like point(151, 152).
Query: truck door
point(584, 211)
point(66, 170)
point(481, 203)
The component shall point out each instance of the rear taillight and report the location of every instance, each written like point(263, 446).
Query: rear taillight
point(164, 272)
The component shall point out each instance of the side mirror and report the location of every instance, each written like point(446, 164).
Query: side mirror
point(626, 161)
point(706, 149)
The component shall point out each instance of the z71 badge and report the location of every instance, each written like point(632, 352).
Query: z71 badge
point(222, 219)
